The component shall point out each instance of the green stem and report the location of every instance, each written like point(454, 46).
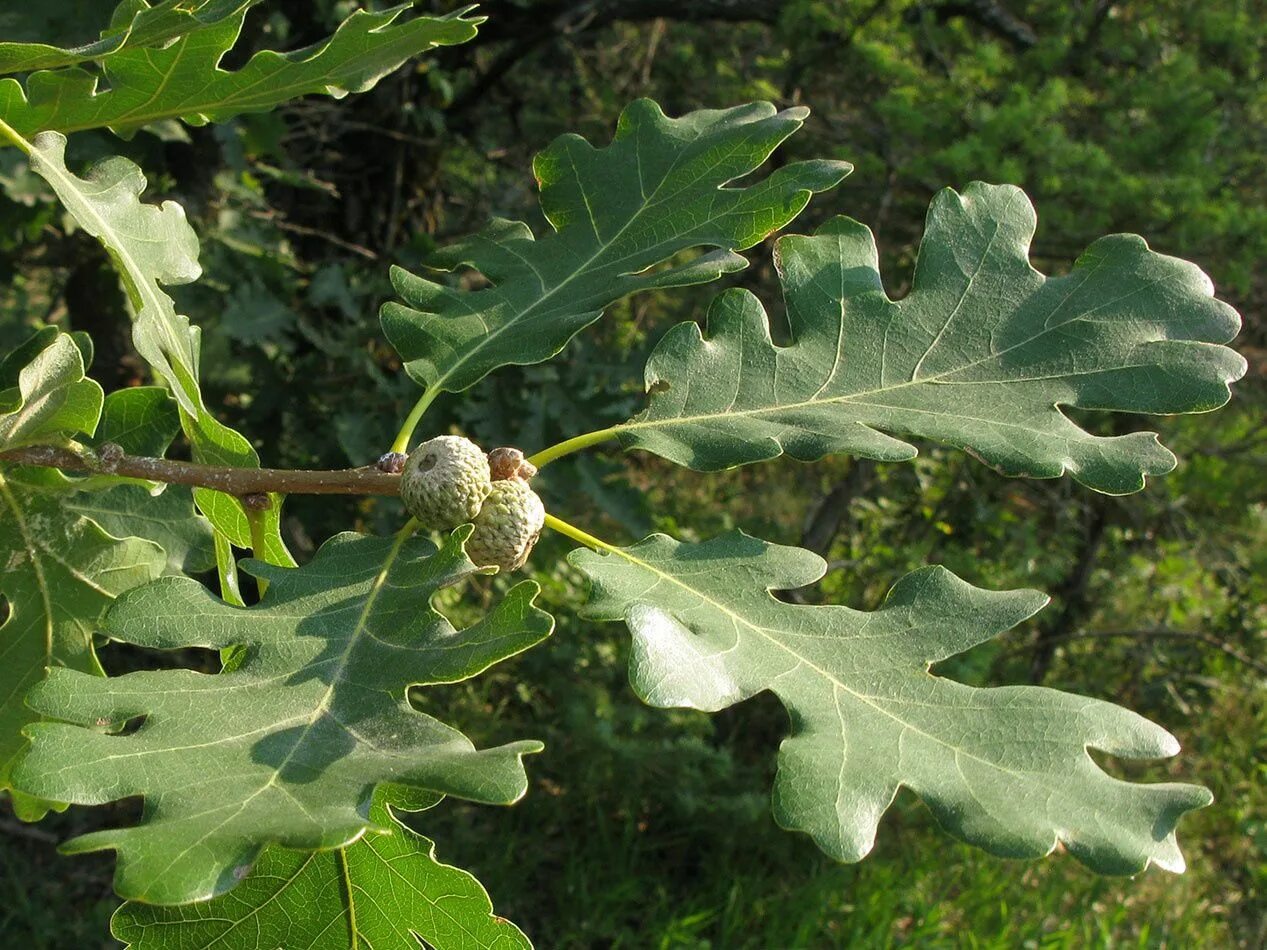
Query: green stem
point(10, 134)
point(227, 568)
point(576, 534)
point(411, 421)
point(575, 444)
point(259, 544)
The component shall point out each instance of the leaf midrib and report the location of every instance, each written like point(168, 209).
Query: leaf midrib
point(154, 30)
point(323, 705)
point(146, 285)
point(137, 117)
point(935, 379)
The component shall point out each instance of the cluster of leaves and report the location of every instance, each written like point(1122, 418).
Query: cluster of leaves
point(311, 733)
point(73, 546)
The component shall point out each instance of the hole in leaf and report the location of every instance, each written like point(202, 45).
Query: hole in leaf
point(1131, 769)
point(470, 278)
point(680, 259)
point(115, 728)
point(119, 658)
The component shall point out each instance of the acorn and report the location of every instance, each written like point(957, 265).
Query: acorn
point(445, 481)
point(507, 526)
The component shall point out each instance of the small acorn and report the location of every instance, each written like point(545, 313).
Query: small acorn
point(507, 526)
point(445, 481)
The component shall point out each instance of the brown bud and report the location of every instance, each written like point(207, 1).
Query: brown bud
point(507, 463)
point(393, 463)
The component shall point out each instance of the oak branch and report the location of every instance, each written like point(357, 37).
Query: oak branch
point(367, 480)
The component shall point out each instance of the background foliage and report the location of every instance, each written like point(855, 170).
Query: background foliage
point(646, 828)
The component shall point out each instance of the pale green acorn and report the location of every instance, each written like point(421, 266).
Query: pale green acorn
point(445, 481)
point(507, 526)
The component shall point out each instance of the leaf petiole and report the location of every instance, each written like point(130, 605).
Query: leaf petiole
point(11, 135)
point(582, 537)
point(411, 421)
point(259, 543)
point(575, 444)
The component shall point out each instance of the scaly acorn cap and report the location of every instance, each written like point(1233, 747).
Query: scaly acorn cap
point(445, 481)
point(507, 526)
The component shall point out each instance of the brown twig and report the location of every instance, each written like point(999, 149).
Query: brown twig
point(367, 480)
point(1073, 593)
point(824, 521)
point(277, 221)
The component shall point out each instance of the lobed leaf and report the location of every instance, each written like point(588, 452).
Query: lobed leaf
point(60, 573)
point(618, 212)
point(134, 24)
point(167, 518)
point(1006, 768)
point(66, 551)
point(983, 353)
point(17, 359)
point(153, 247)
point(289, 744)
point(184, 80)
point(386, 890)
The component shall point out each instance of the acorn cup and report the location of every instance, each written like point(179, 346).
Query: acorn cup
point(445, 481)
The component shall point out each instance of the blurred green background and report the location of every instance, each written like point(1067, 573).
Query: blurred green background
point(646, 828)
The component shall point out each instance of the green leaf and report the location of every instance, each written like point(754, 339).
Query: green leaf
point(151, 246)
point(154, 246)
point(143, 421)
point(983, 353)
point(384, 891)
point(184, 80)
point(167, 518)
point(288, 746)
point(657, 190)
point(60, 573)
point(1005, 768)
point(60, 570)
point(134, 24)
point(18, 359)
point(50, 400)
